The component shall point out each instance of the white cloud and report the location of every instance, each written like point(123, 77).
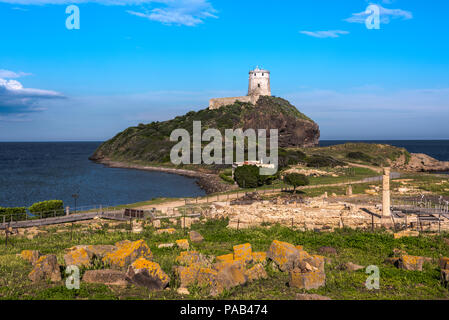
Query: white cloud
point(181, 12)
point(178, 12)
point(325, 34)
point(16, 101)
point(385, 15)
point(11, 74)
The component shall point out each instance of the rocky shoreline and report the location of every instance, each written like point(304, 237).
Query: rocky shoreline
point(420, 162)
point(210, 183)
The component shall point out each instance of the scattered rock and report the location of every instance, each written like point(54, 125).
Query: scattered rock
point(207, 277)
point(260, 257)
point(186, 222)
point(186, 258)
point(444, 263)
point(225, 257)
point(412, 263)
point(406, 233)
point(78, 257)
point(145, 273)
point(169, 231)
point(187, 275)
point(398, 252)
point(327, 250)
point(221, 265)
point(46, 267)
point(445, 277)
point(30, 255)
point(317, 262)
point(352, 267)
point(308, 296)
point(183, 291)
point(183, 244)
point(166, 245)
point(195, 237)
point(284, 254)
point(230, 276)
point(107, 277)
point(157, 224)
point(307, 280)
point(243, 252)
point(127, 253)
point(256, 272)
point(392, 260)
point(137, 227)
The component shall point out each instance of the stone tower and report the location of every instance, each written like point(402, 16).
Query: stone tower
point(259, 83)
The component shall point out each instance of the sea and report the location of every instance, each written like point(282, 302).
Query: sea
point(36, 171)
point(31, 172)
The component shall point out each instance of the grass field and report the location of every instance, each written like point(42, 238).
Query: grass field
point(364, 248)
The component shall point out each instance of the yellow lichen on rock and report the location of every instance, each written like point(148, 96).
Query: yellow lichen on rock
point(413, 263)
point(225, 257)
point(30, 255)
point(127, 253)
point(188, 275)
point(259, 257)
point(256, 272)
point(78, 257)
point(317, 262)
point(169, 231)
point(207, 277)
point(284, 254)
point(153, 268)
point(244, 252)
point(307, 280)
point(188, 257)
point(224, 264)
point(183, 244)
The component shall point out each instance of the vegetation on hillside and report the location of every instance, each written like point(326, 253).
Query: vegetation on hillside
point(151, 143)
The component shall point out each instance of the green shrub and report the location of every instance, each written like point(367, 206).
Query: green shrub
point(226, 178)
point(290, 157)
point(317, 161)
point(296, 180)
point(18, 213)
point(249, 177)
point(47, 208)
point(357, 155)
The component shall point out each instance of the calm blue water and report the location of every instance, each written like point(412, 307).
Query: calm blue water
point(438, 149)
point(31, 172)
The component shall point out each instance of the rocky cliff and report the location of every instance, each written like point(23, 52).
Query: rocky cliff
point(151, 143)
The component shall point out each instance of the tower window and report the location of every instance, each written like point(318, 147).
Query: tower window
point(258, 85)
point(262, 74)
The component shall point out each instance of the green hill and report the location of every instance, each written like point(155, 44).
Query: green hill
point(150, 142)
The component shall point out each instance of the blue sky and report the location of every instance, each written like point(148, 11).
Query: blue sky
point(150, 60)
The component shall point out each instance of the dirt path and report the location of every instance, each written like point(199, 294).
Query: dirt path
point(376, 169)
point(231, 196)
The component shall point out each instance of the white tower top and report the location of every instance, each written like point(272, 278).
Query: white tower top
point(259, 82)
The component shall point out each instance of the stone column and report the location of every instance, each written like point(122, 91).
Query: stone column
point(67, 211)
point(386, 193)
point(349, 190)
